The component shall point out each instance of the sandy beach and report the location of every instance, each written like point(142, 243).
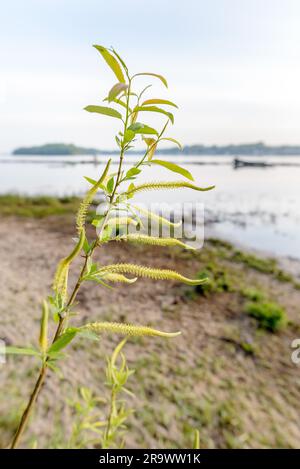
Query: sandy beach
point(224, 375)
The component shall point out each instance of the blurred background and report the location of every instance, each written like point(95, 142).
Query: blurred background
point(233, 70)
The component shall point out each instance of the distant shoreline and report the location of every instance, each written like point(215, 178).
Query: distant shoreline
point(248, 150)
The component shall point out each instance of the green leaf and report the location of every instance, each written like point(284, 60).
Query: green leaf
point(174, 167)
point(63, 340)
point(173, 140)
point(111, 62)
point(151, 144)
point(54, 368)
point(132, 172)
point(90, 180)
point(88, 334)
point(120, 59)
point(107, 111)
point(160, 77)
point(154, 109)
point(140, 128)
point(86, 246)
point(21, 351)
point(159, 101)
point(129, 135)
point(110, 185)
point(116, 90)
point(130, 188)
point(118, 101)
point(106, 233)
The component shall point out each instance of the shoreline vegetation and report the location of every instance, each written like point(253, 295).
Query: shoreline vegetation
point(40, 207)
point(228, 376)
point(247, 149)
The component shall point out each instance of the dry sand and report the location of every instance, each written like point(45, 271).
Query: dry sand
point(204, 379)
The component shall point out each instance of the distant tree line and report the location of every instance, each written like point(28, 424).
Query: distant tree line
point(249, 149)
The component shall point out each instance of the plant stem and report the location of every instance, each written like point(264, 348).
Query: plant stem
point(151, 146)
point(38, 385)
point(42, 374)
point(110, 416)
point(27, 411)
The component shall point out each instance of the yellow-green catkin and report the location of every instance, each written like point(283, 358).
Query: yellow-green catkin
point(155, 274)
point(127, 329)
point(154, 216)
point(153, 240)
point(167, 185)
point(43, 340)
point(117, 278)
point(88, 199)
point(60, 283)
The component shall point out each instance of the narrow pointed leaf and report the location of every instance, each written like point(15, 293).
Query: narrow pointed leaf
point(129, 135)
point(110, 185)
point(140, 128)
point(63, 341)
point(159, 101)
point(154, 109)
point(132, 172)
point(173, 140)
point(107, 111)
point(93, 182)
point(111, 62)
point(174, 167)
point(116, 90)
point(118, 101)
point(160, 77)
point(152, 144)
point(21, 351)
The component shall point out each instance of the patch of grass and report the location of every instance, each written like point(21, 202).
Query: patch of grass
point(265, 265)
point(270, 316)
point(283, 276)
point(268, 266)
point(220, 243)
point(253, 294)
point(37, 206)
point(249, 349)
point(218, 280)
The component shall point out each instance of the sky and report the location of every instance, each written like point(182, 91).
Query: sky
point(232, 65)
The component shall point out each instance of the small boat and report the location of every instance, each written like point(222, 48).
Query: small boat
point(237, 163)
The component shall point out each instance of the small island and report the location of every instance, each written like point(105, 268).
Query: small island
point(56, 149)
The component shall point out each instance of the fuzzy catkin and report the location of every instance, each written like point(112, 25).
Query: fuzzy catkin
point(153, 240)
point(167, 185)
point(126, 329)
point(156, 274)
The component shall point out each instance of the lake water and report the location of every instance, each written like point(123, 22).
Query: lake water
point(255, 207)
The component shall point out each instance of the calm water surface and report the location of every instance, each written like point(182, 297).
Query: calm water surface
point(256, 207)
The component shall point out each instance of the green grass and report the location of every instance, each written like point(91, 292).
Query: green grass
point(264, 265)
point(220, 243)
point(38, 206)
point(267, 266)
point(253, 294)
point(270, 316)
point(218, 280)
